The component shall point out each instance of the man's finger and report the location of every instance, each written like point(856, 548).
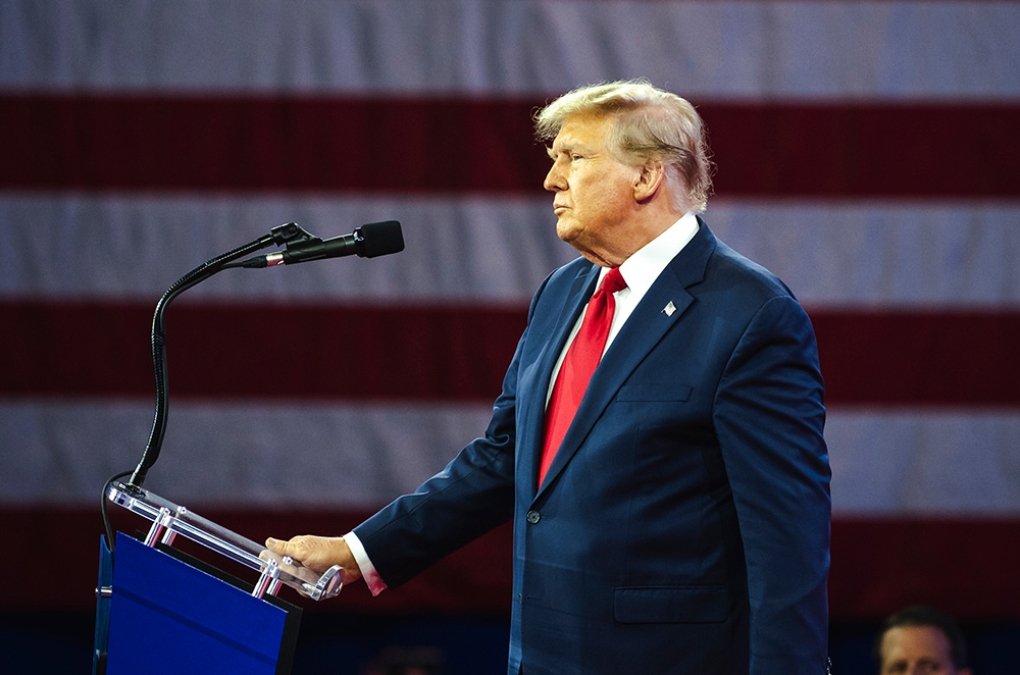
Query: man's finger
point(277, 546)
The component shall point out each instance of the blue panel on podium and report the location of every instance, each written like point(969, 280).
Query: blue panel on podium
point(169, 617)
point(102, 607)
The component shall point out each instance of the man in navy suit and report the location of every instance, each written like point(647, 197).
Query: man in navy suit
point(679, 522)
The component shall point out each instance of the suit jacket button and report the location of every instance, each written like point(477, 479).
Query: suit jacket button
point(533, 517)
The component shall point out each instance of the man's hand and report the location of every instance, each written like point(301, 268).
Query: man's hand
point(318, 554)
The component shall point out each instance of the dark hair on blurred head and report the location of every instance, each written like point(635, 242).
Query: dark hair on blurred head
point(923, 615)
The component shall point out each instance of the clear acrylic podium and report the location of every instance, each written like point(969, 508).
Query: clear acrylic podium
point(161, 611)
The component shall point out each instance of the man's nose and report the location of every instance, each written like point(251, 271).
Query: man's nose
point(554, 180)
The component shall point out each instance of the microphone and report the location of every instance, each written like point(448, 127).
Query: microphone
point(368, 241)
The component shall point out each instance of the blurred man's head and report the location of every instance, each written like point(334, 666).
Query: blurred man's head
point(921, 640)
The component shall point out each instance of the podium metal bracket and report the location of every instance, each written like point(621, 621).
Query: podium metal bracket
point(169, 520)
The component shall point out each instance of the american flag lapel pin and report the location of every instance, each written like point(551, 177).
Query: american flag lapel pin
point(669, 308)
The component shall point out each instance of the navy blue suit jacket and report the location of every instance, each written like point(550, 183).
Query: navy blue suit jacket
point(684, 523)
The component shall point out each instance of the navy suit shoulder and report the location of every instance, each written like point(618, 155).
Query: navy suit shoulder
point(748, 283)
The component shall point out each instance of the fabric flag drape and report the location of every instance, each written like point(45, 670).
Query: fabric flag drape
point(866, 152)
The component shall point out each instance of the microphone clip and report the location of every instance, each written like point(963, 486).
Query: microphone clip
point(289, 233)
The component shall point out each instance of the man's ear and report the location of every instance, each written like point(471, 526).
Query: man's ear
point(650, 180)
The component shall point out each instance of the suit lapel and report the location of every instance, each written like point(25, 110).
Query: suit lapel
point(663, 307)
point(537, 377)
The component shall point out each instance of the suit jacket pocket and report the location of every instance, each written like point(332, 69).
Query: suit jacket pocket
point(671, 604)
point(654, 392)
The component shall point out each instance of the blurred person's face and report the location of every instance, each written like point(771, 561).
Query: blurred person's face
point(917, 650)
point(594, 191)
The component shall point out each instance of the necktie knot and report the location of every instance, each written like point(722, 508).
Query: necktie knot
point(614, 281)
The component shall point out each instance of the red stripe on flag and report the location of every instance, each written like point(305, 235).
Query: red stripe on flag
point(265, 143)
point(446, 353)
point(889, 150)
point(966, 565)
point(249, 351)
point(475, 579)
point(464, 145)
point(933, 357)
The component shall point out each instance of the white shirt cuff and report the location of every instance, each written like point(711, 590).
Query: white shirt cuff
point(368, 571)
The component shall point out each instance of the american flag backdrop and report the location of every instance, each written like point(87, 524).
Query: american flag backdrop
point(867, 152)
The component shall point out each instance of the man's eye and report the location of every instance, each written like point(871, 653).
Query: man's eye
point(574, 156)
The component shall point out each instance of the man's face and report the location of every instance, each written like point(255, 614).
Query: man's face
point(594, 191)
point(917, 650)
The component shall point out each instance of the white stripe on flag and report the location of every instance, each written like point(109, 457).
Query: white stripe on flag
point(496, 250)
point(907, 461)
point(737, 49)
point(924, 462)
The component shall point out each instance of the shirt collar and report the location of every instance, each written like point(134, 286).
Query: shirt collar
point(642, 268)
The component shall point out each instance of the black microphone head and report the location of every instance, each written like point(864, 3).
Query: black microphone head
point(375, 239)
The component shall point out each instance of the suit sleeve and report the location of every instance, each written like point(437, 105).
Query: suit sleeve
point(769, 417)
point(471, 495)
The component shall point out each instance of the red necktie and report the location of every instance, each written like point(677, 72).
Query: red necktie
point(582, 357)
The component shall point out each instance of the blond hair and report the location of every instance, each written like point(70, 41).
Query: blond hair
point(650, 124)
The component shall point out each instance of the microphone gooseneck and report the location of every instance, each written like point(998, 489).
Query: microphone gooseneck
point(368, 241)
